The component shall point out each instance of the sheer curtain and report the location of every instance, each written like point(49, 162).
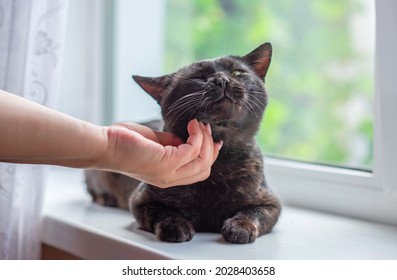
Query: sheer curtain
point(31, 44)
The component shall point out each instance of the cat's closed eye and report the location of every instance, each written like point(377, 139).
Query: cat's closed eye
point(199, 79)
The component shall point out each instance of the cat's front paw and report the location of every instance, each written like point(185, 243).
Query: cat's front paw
point(239, 230)
point(174, 229)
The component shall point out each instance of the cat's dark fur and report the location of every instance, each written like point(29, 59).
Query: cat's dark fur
point(229, 94)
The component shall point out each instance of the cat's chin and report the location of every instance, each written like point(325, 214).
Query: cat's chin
point(226, 108)
point(220, 115)
point(216, 123)
point(220, 130)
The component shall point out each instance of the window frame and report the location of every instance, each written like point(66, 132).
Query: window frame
point(386, 99)
point(359, 194)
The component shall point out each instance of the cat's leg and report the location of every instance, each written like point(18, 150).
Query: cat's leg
point(252, 221)
point(104, 199)
point(166, 223)
point(97, 187)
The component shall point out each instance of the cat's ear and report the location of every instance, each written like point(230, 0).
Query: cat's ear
point(259, 59)
point(156, 87)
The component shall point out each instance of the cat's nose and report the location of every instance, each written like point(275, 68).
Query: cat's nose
point(220, 79)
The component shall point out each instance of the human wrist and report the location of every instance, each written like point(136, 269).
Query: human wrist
point(99, 158)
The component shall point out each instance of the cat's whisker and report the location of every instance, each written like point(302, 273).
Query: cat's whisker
point(199, 105)
point(182, 105)
point(185, 108)
point(183, 112)
point(255, 100)
point(202, 92)
point(252, 102)
point(250, 108)
point(191, 115)
point(258, 100)
point(208, 103)
point(205, 103)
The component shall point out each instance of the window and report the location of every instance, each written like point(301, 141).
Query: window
point(321, 80)
point(141, 43)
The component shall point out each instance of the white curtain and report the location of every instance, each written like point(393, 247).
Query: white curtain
point(31, 43)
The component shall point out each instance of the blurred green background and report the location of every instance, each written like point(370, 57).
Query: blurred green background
point(321, 79)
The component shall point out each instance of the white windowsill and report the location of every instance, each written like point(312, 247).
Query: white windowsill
point(75, 225)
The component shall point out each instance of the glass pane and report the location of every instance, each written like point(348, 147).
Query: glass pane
point(321, 80)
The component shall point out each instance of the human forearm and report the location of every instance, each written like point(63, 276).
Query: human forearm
point(31, 133)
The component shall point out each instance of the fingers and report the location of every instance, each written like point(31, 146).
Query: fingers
point(199, 168)
point(216, 147)
point(189, 151)
point(168, 139)
point(163, 138)
point(209, 150)
point(166, 161)
point(141, 129)
point(199, 146)
point(196, 132)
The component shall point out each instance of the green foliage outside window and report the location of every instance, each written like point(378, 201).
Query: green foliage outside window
point(320, 81)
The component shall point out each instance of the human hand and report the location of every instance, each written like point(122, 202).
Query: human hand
point(34, 134)
point(160, 158)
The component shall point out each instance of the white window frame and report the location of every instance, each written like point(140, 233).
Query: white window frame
point(365, 195)
point(138, 48)
point(359, 194)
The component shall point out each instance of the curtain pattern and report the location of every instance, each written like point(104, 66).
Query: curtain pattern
point(31, 41)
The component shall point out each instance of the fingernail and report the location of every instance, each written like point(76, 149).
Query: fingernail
point(208, 128)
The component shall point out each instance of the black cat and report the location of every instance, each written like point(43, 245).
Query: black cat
point(229, 94)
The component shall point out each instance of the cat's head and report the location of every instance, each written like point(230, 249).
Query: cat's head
point(227, 92)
